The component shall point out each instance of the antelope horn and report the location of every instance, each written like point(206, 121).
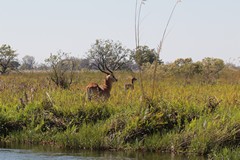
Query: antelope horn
point(102, 70)
point(108, 68)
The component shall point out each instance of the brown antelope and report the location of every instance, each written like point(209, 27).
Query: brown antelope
point(103, 91)
point(130, 85)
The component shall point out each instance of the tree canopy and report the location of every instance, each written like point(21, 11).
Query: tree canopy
point(144, 54)
point(110, 53)
point(8, 61)
point(28, 62)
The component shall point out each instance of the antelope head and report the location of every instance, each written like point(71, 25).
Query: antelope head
point(133, 79)
point(110, 76)
point(102, 91)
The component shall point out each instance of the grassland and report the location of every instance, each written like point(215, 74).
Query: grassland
point(193, 118)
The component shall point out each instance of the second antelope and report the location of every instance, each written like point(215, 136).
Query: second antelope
point(130, 85)
point(103, 91)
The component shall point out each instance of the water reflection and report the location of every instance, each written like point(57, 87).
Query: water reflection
point(29, 152)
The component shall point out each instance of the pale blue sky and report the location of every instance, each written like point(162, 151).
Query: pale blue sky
point(199, 28)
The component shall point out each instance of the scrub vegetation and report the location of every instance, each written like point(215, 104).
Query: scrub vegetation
point(183, 107)
point(191, 117)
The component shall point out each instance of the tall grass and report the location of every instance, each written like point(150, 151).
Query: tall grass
point(194, 118)
point(138, 9)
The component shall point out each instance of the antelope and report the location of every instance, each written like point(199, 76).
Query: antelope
point(130, 85)
point(103, 91)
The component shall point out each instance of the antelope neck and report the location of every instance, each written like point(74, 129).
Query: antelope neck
point(132, 81)
point(107, 84)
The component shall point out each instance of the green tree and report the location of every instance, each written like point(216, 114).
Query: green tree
point(211, 67)
point(185, 67)
point(8, 61)
point(107, 52)
point(144, 54)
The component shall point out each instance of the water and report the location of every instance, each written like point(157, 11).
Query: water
point(24, 152)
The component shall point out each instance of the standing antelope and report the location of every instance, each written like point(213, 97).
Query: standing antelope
point(103, 91)
point(130, 85)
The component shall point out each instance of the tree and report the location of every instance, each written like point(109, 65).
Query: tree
point(107, 52)
point(211, 68)
point(28, 62)
point(8, 60)
point(62, 69)
point(84, 63)
point(144, 54)
point(186, 68)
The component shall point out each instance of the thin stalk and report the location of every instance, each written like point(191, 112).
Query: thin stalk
point(138, 23)
point(135, 29)
point(137, 39)
point(160, 48)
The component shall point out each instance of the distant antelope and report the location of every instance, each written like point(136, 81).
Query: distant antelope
point(130, 85)
point(103, 91)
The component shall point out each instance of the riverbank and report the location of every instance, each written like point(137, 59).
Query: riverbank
point(181, 119)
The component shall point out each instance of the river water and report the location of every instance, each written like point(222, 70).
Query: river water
point(24, 152)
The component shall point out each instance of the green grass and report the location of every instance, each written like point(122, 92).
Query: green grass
point(197, 118)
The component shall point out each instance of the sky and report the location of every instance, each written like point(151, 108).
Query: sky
point(198, 28)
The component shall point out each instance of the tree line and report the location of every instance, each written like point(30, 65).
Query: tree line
point(114, 54)
point(116, 57)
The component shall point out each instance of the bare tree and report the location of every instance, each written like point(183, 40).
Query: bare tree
point(107, 52)
point(62, 69)
point(28, 62)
